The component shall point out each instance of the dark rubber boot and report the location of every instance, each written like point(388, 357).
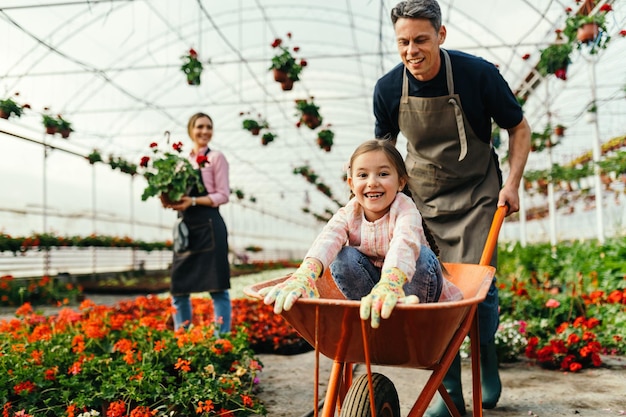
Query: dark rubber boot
point(452, 382)
point(489, 375)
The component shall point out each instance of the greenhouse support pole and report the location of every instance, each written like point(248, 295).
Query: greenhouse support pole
point(46, 255)
point(597, 153)
point(522, 214)
point(551, 203)
point(94, 261)
point(132, 221)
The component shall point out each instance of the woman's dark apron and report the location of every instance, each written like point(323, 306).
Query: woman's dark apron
point(453, 174)
point(204, 266)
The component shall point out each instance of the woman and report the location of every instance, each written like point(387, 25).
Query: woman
point(204, 265)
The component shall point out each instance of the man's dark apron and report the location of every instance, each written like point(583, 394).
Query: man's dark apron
point(204, 266)
point(453, 174)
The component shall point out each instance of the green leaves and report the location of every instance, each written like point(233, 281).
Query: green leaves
point(170, 174)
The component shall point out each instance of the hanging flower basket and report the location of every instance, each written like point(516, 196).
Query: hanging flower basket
point(9, 107)
point(50, 124)
point(555, 60)
point(325, 138)
point(559, 130)
point(95, 156)
point(267, 138)
point(285, 68)
point(589, 30)
point(254, 126)
point(64, 127)
point(192, 67)
point(309, 113)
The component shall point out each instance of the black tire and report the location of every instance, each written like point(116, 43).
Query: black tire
point(357, 401)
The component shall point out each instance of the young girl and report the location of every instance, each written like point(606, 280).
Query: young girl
point(376, 245)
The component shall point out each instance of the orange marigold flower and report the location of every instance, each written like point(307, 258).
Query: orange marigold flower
point(222, 346)
point(183, 365)
point(204, 407)
point(159, 345)
point(247, 401)
point(142, 411)
point(116, 409)
point(24, 310)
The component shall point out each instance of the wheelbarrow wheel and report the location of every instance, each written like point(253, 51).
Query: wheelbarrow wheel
point(357, 400)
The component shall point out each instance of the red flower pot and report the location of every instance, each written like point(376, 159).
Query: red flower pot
point(587, 32)
point(51, 130)
point(4, 115)
point(255, 131)
point(280, 75)
point(310, 120)
point(287, 84)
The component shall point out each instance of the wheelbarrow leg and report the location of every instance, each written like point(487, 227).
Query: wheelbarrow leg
point(337, 387)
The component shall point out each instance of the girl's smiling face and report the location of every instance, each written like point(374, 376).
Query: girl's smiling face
point(374, 181)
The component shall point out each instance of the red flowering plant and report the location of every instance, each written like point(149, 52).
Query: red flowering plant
point(572, 348)
point(169, 174)
point(588, 29)
point(124, 361)
point(284, 65)
point(192, 67)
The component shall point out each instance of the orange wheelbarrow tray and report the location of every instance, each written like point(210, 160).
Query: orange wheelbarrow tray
point(422, 336)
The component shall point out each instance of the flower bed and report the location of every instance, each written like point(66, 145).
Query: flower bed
point(124, 361)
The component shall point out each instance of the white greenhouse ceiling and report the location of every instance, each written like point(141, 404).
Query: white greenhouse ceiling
point(112, 68)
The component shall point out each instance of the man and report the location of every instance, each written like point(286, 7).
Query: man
point(443, 102)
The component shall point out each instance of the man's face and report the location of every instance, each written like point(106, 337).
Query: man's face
point(418, 45)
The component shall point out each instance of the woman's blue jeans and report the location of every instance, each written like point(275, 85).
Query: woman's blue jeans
point(221, 306)
point(355, 275)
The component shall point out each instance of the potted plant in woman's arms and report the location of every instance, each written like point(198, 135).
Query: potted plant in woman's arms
point(309, 113)
point(169, 175)
point(284, 66)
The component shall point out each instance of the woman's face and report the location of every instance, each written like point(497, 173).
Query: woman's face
point(374, 181)
point(202, 131)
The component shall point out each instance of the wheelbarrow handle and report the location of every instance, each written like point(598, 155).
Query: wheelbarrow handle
point(492, 237)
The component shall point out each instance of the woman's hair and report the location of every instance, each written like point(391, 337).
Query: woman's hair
point(418, 9)
point(192, 121)
point(397, 161)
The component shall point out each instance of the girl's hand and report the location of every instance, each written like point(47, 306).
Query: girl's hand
point(300, 284)
point(384, 296)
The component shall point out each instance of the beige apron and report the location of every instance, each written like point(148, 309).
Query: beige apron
point(453, 175)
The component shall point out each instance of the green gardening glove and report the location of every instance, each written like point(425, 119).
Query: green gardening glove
point(384, 296)
point(300, 284)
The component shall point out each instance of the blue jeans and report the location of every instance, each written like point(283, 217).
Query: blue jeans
point(355, 275)
point(221, 307)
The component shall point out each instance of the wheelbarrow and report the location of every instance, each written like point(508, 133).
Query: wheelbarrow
point(421, 336)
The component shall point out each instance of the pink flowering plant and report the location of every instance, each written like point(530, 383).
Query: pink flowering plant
point(169, 174)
